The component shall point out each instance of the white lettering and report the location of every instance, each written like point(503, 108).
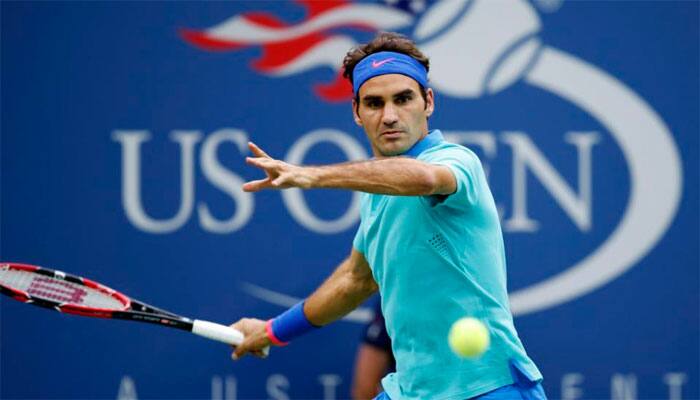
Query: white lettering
point(294, 198)
point(584, 142)
point(329, 383)
point(623, 387)
point(225, 180)
point(675, 381)
point(231, 388)
point(526, 157)
point(217, 388)
point(569, 386)
point(276, 386)
point(127, 389)
point(131, 179)
point(223, 390)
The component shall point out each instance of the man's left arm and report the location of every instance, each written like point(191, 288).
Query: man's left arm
point(399, 176)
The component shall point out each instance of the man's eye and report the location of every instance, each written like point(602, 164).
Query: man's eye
point(403, 99)
point(374, 104)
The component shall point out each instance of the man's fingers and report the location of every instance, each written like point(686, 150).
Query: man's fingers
point(239, 352)
point(279, 181)
point(257, 185)
point(257, 150)
point(260, 184)
point(255, 342)
point(236, 355)
point(270, 166)
point(275, 174)
point(259, 353)
point(238, 325)
point(260, 162)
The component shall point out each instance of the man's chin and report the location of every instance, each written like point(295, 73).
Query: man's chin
point(394, 148)
point(391, 151)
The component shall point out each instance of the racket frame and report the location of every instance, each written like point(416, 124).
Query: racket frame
point(133, 310)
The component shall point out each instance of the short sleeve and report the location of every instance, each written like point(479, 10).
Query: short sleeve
point(468, 173)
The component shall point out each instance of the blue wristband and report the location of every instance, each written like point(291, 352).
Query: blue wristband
point(291, 324)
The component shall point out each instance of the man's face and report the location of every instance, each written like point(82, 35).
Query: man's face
point(393, 113)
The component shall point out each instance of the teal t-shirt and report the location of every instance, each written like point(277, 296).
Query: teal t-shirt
point(437, 259)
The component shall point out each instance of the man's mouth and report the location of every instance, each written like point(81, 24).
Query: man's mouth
point(391, 134)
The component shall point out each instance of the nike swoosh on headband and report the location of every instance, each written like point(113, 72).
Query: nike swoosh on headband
point(377, 64)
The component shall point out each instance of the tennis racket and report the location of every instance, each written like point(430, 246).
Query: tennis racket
point(72, 294)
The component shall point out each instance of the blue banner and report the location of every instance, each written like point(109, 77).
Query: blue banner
point(124, 131)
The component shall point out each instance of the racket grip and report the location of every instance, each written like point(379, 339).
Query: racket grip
point(221, 333)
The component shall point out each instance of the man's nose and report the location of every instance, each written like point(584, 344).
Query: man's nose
point(389, 116)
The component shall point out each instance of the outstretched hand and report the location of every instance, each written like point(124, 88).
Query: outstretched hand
point(280, 175)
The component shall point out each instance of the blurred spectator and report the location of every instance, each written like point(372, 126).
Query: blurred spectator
point(374, 358)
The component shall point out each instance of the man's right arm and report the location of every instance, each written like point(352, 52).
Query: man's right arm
point(350, 284)
point(396, 176)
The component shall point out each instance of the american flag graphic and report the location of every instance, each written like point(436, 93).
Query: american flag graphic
point(320, 39)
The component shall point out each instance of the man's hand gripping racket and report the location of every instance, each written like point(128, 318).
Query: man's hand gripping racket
point(72, 294)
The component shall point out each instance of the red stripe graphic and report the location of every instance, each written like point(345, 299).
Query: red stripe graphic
point(282, 44)
point(315, 7)
point(278, 54)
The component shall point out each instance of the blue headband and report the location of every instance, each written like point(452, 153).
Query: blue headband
point(388, 62)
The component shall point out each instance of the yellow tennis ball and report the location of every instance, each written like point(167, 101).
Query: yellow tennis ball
point(468, 337)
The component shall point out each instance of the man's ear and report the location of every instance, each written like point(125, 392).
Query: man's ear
point(355, 116)
point(429, 102)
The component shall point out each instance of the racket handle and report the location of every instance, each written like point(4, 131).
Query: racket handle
point(219, 332)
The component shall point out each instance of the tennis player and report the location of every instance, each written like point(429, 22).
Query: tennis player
point(429, 240)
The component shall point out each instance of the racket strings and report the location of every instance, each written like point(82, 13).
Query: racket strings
point(58, 290)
